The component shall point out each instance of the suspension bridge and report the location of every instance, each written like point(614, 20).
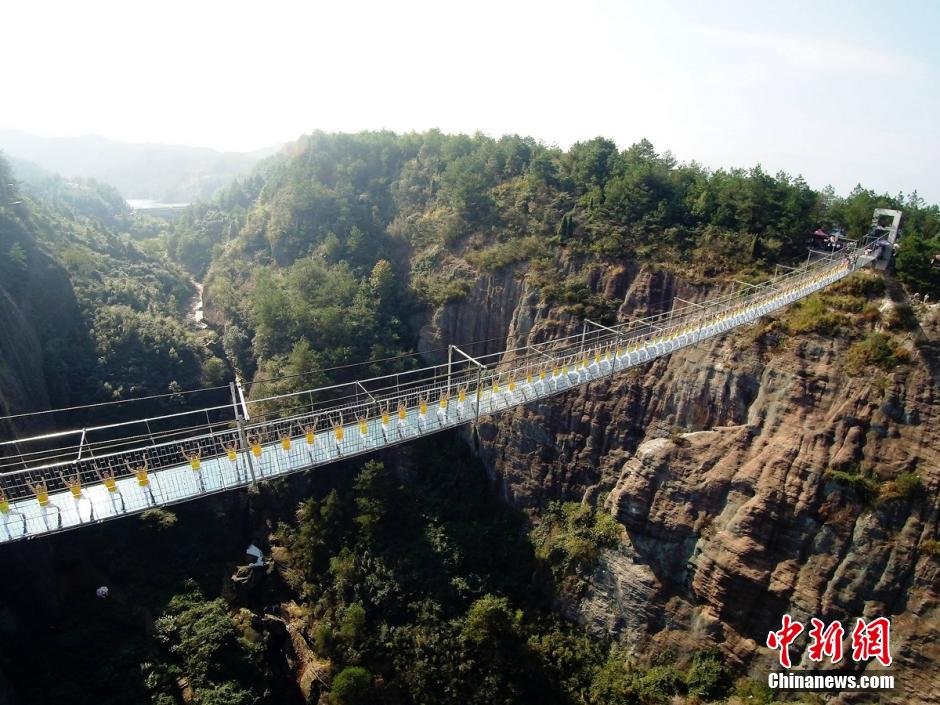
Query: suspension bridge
point(73, 478)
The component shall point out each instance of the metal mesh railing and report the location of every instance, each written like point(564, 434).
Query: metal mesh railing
point(69, 478)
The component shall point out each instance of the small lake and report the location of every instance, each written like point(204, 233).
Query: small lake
point(144, 204)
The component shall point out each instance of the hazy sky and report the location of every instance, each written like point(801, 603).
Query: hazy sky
point(841, 92)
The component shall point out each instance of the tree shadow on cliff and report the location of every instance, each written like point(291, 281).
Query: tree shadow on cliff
point(928, 347)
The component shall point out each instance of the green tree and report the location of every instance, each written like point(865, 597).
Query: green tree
point(224, 694)
point(385, 288)
point(351, 686)
point(213, 372)
point(377, 499)
point(916, 266)
point(591, 163)
point(707, 676)
point(202, 643)
point(490, 620)
point(353, 622)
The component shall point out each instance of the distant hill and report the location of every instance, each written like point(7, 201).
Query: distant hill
point(162, 172)
point(89, 309)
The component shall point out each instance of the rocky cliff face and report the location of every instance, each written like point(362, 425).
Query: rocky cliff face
point(38, 314)
point(715, 462)
point(21, 377)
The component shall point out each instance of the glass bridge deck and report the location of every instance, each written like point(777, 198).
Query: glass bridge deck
point(37, 513)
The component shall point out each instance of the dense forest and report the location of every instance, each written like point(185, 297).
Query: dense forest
point(128, 336)
point(409, 580)
point(324, 255)
point(336, 250)
point(426, 591)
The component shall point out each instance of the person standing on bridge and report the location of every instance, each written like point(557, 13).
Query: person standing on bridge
point(194, 457)
point(41, 491)
point(6, 512)
point(255, 441)
point(402, 418)
point(442, 406)
point(110, 483)
point(543, 378)
point(339, 433)
point(461, 401)
point(74, 485)
point(284, 439)
point(422, 412)
point(231, 452)
point(143, 481)
point(386, 419)
point(310, 436)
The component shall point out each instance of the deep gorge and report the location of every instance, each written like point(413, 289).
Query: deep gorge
point(632, 541)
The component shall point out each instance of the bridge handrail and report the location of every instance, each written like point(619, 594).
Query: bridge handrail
point(437, 379)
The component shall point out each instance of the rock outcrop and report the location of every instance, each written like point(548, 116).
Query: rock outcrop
point(717, 461)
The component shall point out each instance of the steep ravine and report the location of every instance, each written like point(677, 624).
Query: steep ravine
point(714, 461)
point(38, 314)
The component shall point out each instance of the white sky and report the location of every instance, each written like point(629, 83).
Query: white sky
point(723, 83)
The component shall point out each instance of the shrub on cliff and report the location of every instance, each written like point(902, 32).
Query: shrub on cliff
point(813, 315)
point(571, 535)
point(658, 684)
point(907, 485)
point(876, 352)
point(864, 485)
point(225, 694)
point(748, 691)
point(158, 519)
point(862, 283)
point(900, 318)
point(490, 620)
point(502, 254)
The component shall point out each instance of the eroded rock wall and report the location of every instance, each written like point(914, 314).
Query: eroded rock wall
point(714, 461)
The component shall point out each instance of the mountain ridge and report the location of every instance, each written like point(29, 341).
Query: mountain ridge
point(139, 170)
